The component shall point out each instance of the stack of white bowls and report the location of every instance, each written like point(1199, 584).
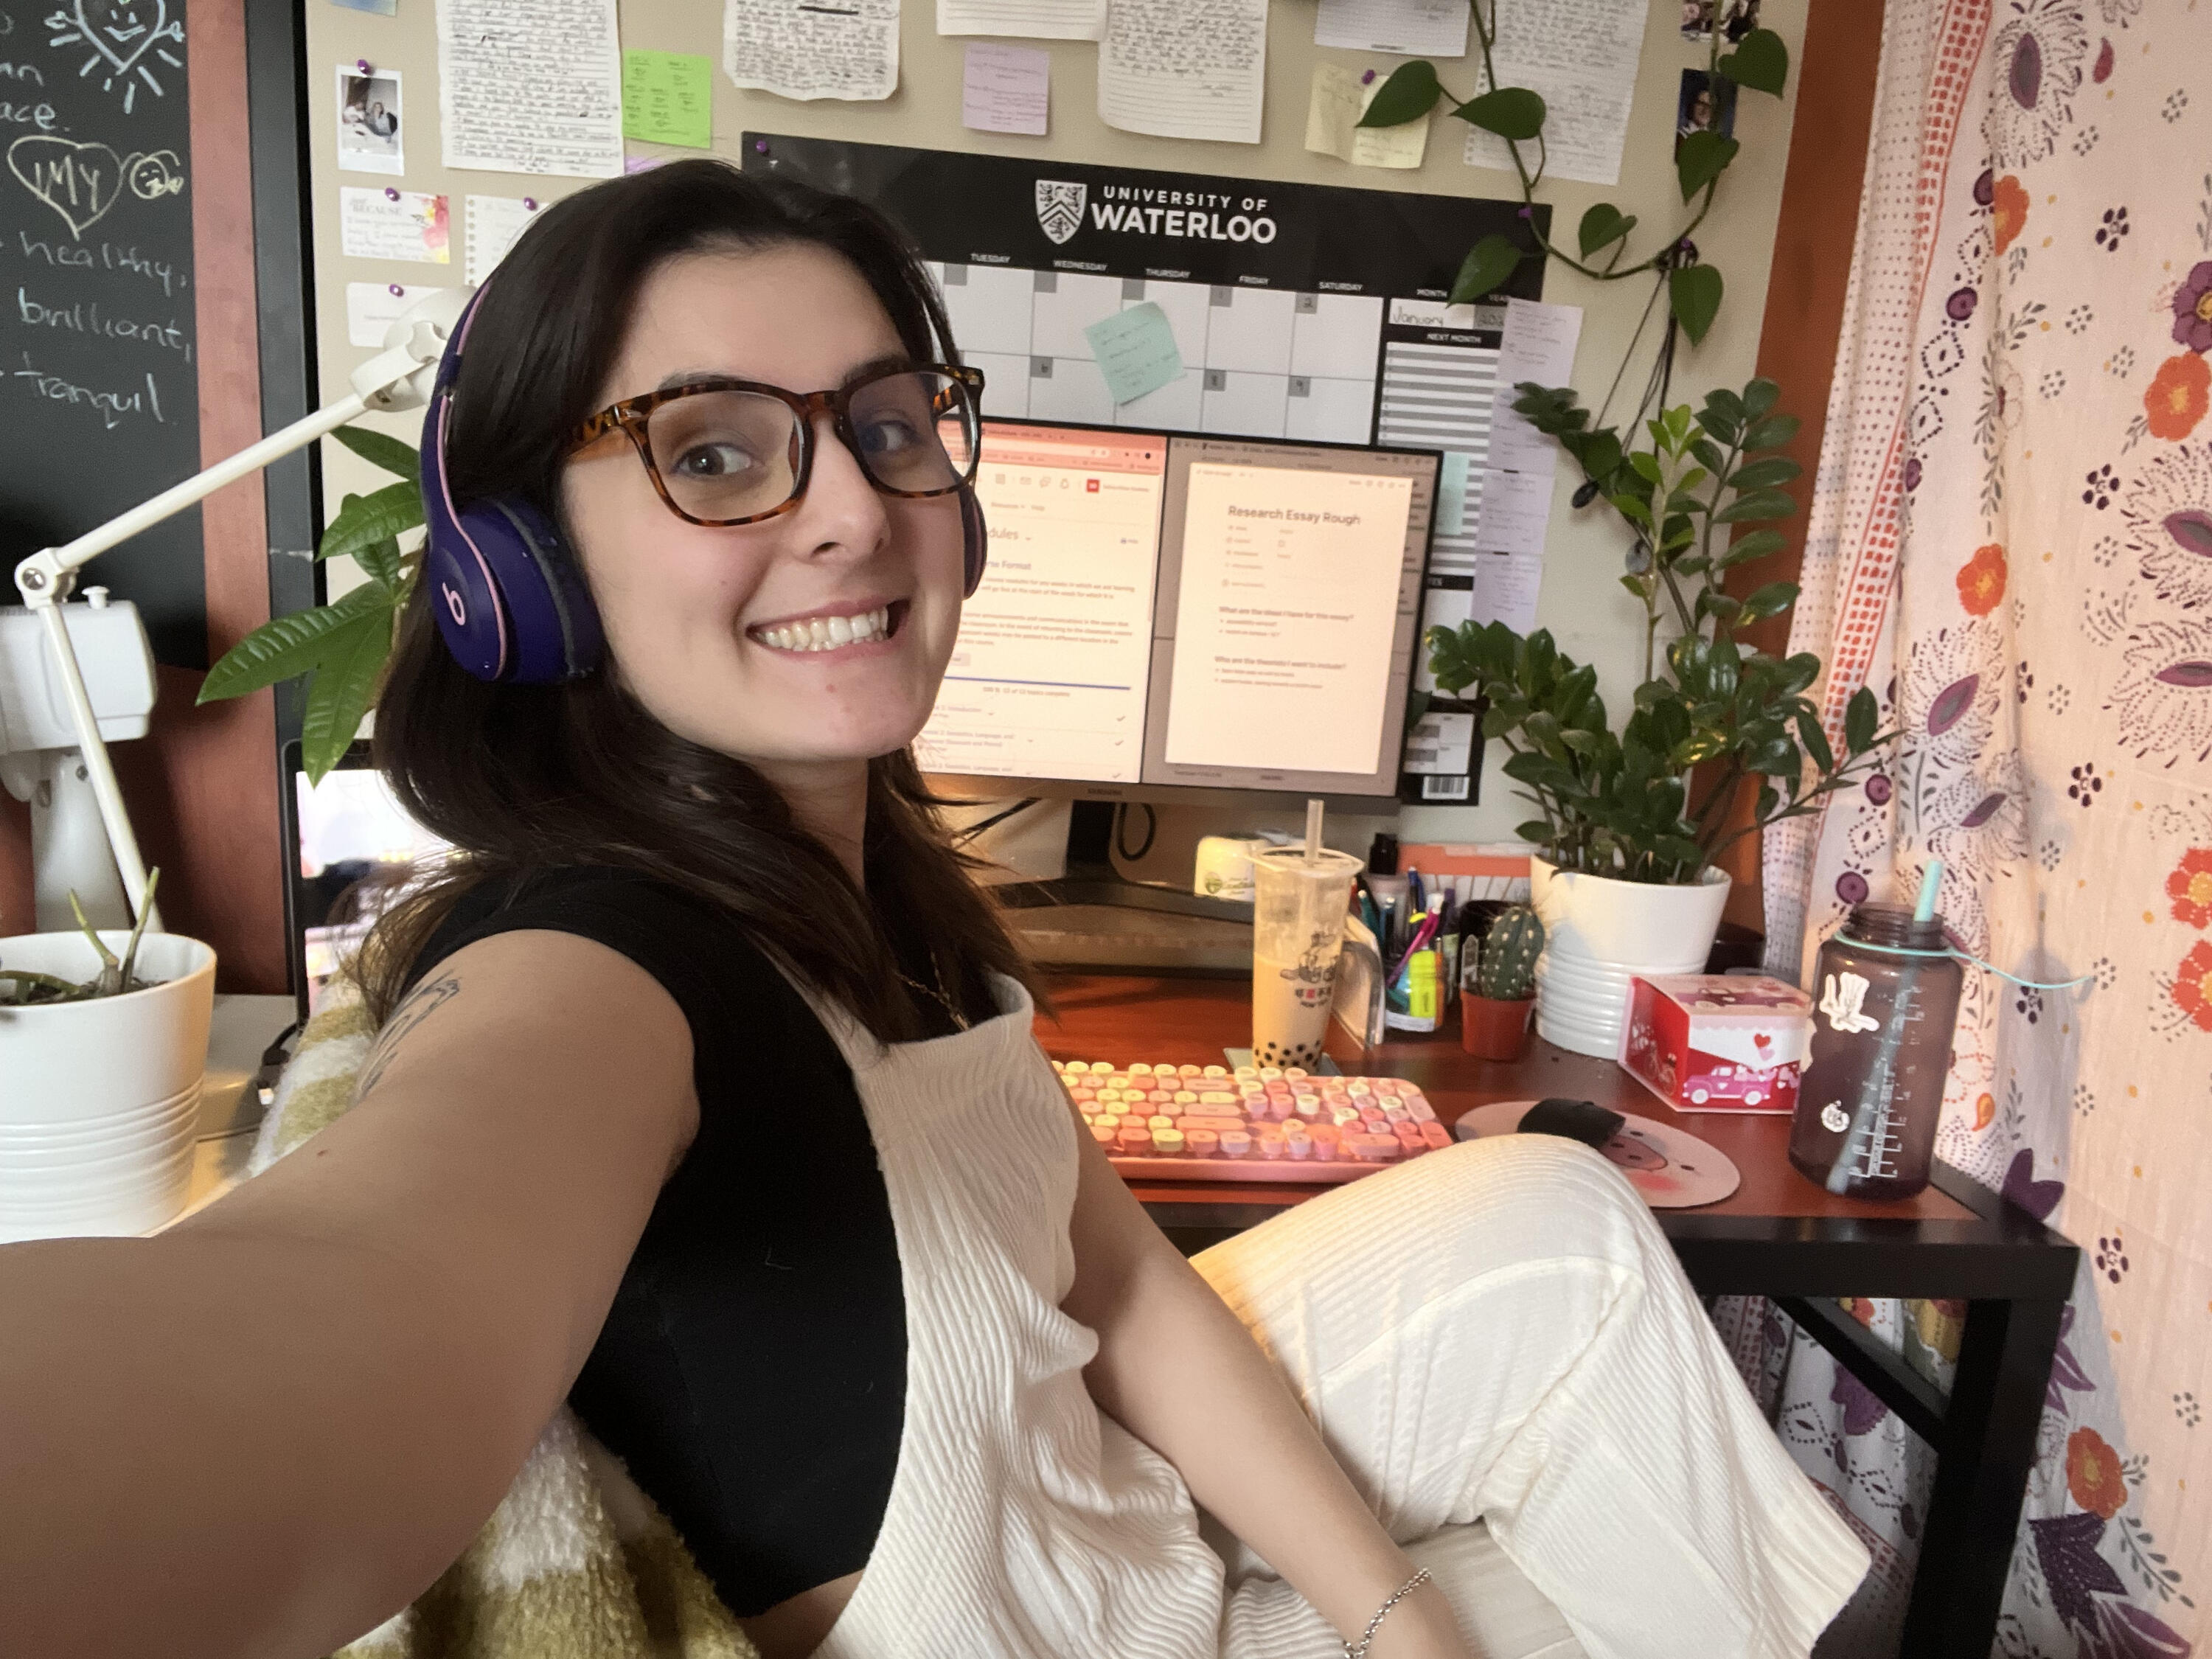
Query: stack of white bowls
point(99, 1100)
point(1600, 935)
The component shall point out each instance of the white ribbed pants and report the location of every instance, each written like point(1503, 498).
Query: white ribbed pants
point(1498, 1346)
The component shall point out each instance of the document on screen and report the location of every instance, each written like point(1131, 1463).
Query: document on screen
point(1047, 677)
point(1286, 602)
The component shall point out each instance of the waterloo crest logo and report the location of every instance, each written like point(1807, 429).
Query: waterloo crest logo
point(1060, 209)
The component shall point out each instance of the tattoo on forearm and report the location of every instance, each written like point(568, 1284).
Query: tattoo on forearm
point(425, 1000)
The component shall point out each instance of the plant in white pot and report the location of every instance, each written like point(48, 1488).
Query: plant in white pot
point(1625, 880)
point(103, 1045)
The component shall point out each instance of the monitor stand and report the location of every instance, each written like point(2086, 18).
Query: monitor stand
point(1095, 918)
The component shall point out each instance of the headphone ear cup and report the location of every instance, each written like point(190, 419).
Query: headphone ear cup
point(552, 624)
point(975, 540)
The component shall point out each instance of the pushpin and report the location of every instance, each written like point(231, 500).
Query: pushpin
point(361, 64)
point(391, 194)
point(530, 204)
point(1368, 79)
point(398, 292)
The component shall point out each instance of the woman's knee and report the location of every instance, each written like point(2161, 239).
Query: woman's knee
point(1540, 1194)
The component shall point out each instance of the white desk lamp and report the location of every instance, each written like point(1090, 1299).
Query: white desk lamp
point(54, 723)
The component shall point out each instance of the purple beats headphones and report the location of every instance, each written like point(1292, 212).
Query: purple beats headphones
point(510, 596)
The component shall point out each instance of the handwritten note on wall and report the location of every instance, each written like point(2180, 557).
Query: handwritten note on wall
point(1580, 56)
point(796, 49)
point(668, 98)
point(531, 86)
point(1184, 68)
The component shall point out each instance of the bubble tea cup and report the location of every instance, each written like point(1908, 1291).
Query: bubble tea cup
point(1298, 908)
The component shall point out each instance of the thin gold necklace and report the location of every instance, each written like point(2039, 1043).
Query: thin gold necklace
point(959, 1019)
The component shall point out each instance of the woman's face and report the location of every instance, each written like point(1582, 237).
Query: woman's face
point(685, 607)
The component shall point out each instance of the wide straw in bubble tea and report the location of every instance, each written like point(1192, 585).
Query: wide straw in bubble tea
point(1313, 832)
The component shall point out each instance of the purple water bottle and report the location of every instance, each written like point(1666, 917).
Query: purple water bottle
point(1888, 997)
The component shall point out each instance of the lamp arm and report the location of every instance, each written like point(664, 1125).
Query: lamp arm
point(401, 376)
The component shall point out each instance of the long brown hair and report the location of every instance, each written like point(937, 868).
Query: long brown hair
point(524, 778)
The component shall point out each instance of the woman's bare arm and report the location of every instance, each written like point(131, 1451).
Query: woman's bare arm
point(263, 1431)
point(1178, 1369)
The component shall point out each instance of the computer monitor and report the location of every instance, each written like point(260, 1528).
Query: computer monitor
point(1171, 617)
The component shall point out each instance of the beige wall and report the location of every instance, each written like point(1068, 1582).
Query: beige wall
point(1582, 603)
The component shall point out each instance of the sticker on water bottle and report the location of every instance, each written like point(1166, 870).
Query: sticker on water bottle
point(1845, 1004)
point(1834, 1119)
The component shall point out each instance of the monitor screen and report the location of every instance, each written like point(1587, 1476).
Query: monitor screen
point(1176, 617)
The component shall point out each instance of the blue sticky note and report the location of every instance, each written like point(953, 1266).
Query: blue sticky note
point(1451, 493)
point(1136, 351)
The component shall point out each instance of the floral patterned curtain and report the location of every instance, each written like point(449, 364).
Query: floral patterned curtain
point(2011, 540)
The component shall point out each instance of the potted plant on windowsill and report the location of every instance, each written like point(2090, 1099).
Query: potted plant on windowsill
point(103, 1044)
point(1498, 988)
point(1631, 821)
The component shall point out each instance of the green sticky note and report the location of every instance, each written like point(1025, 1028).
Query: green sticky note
point(1136, 351)
point(668, 98)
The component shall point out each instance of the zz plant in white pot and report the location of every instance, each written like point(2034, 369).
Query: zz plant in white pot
point(1629, 821)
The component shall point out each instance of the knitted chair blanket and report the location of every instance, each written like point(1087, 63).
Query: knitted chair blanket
point(575, 1563)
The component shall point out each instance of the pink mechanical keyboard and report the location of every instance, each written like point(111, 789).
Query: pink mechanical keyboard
point(1256, 1123)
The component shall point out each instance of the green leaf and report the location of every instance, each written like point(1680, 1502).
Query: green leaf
point(365, 520)
point(383, 563)
point(1536, 830)
point(1646, 465)
point(1771, 433)
point(1757, 504)
point(1489, 262)
point(378, 449)
point(1410, 93)
point(1760, 61)
point(1603, 226)
point(1815, 741)
point(1771, 600)
point(1766, 474)
point(1702, 157)
point(1859, 717)
point(344, 682)
point(1759, 395)
point(1631, 508)
point(1512, 113)
point(289, 645)
point(1694, 292)
point(1757, 545)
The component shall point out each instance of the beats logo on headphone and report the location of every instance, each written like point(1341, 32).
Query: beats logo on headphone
point(513, 603)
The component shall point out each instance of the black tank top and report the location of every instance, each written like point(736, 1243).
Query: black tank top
point(752, 1372)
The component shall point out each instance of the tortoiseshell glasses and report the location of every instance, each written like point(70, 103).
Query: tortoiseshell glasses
point(724, 452)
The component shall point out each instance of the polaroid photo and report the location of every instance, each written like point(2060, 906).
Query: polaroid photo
point(369, 138)
point(1706, 104)
point(1738, 19)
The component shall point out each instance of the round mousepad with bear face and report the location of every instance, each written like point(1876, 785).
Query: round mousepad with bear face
point(1673, 1169)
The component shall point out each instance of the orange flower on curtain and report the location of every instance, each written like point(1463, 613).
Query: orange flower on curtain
point(2192, 985)
point(2092, 1473)
point(2190, 887)
point(2176, 399)
point(2008, 210)
point(1982, 580)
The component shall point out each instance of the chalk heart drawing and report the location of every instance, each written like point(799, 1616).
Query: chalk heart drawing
point(81, 181)
point(121, 32)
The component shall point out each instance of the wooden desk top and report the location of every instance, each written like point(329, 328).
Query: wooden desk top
point(1125, 1017)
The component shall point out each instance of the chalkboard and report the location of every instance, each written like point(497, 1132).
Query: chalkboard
point(98, 381)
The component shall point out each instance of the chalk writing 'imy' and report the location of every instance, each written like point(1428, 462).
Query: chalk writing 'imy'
point(114, 406)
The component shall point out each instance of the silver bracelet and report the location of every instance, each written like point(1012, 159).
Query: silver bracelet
point(1368, 1635)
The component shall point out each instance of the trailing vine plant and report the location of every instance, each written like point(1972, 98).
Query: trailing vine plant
point(1515, 114)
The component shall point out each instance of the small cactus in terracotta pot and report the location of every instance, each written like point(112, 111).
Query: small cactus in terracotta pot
point(1496, 997)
